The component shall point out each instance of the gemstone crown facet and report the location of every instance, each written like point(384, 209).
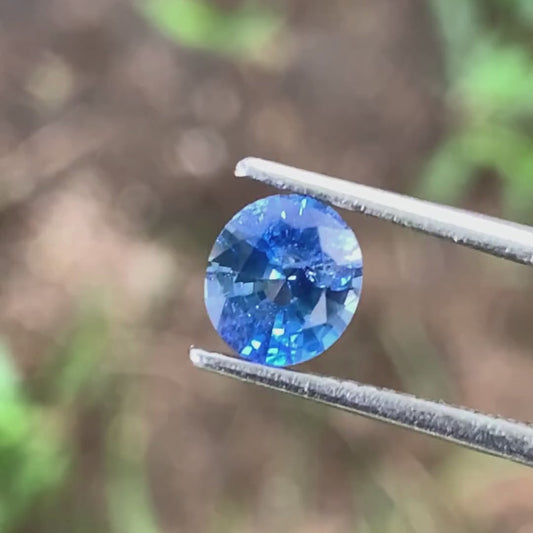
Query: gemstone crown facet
point(283, 280)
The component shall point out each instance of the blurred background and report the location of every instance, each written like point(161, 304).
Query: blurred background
point(120, 124)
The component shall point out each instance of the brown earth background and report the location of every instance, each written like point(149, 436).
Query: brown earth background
point(117, 145)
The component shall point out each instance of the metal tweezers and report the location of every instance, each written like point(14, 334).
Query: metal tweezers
point(485, 433)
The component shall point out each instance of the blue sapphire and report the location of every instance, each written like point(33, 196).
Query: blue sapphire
point(283, 280)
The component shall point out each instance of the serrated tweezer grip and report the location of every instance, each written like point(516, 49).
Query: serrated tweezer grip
point(497, 436)
point(491, 235)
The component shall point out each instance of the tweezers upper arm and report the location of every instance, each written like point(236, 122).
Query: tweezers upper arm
point(491, 235)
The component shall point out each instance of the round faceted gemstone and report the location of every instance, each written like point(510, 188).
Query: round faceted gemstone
point(283, 280)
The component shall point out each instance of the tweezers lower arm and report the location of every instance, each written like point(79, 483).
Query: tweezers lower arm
point(496, 436)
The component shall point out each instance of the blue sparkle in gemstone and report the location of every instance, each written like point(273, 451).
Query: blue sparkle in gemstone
point(283, 280)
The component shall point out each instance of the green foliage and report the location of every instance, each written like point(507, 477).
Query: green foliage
point(491, 85)
point(129, 502)
point(78, 365)
point(38, 455)
point(497, 82)
point(32, 458)
point(238, 32)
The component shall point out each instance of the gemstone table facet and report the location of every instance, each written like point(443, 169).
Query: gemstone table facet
point(283, 280)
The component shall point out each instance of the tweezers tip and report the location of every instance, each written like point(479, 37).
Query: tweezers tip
point(196, 356)
point(242, 167)
point(249, 167)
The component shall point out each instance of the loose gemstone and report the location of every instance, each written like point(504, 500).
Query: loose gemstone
point(283, 280)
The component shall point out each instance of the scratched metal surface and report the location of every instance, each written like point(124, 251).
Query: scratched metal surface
point(489, 434)
point(491, 235)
